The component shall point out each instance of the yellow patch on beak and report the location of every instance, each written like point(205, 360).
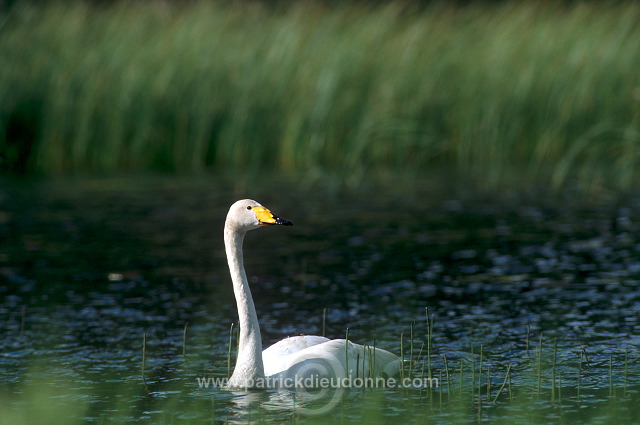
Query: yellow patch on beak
point(264, 216)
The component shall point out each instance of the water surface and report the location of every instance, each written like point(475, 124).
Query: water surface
point(93, 270)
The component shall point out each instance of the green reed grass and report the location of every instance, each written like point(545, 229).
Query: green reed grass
point(582, 352)
point(448, 377)
point(551, 91)
point(229, 351)
point(504, 383)
point(554, 371)
point(401, 355)
point(346, 352)
point(429, 325)
point(539, 366)
point(612, 391)
point(184, 341)
point(626, 372)
point(461, 377)
point(144, 356)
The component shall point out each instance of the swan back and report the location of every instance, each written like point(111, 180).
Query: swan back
point(276, 356)
point(337, 357)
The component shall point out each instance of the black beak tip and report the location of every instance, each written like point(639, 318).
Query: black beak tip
point(283, 222)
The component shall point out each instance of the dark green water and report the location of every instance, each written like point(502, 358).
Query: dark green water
point(90, 268)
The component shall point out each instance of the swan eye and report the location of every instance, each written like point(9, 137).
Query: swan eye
point(249, 207)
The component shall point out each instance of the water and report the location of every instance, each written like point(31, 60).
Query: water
point(92, 270)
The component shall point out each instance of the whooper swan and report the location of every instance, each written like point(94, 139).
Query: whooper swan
point(294, 357)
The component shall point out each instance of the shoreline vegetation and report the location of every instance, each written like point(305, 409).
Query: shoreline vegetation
point(519, 92)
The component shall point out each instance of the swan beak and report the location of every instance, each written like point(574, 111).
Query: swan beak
point(265, 216)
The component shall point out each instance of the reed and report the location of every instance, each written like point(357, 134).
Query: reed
point(507, 378)
point(480, 383)
point(229, 351)
point(473, 376)
point(446, 369)
point(488, 382)
point(461, 377)
point(184, 342)
point(539, 366)
point(559, 387)
point(480, 372)
point(346, 351)
point(527, 340)
point(583, 358)
point(373, 363)
point(612, 390)
point(440, 389)
point(423, 366)
point(430, 321)
point(553, 371)
point(144, 356)
point(626, 371)
point(23, 319)
point(401, 355)
point(548, 90)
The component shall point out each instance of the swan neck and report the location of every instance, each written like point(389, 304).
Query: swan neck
point(249, 361)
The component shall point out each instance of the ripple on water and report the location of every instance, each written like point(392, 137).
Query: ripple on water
point(494, 276)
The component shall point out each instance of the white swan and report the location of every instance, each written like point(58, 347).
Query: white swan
point(294, 357)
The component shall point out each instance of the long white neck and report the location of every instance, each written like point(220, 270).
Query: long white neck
point(249, 367)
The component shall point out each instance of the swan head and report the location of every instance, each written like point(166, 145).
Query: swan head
point(248, 214)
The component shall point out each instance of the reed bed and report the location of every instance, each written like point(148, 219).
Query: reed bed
point(552, 92)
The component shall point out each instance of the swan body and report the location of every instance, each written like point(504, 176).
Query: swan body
point(294, 357)
point(344, 357)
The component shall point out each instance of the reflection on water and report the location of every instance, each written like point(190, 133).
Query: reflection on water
point(91, 271)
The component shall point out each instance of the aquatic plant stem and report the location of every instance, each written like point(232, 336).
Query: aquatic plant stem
point(411, 350)
point(527, 340)
point(539, 366)
point(488, 383)
point(373, 365)
point(324, 321)
point(579, 373)
point(440, 389)
point(504, 383)
point(626, 367)
point(23, 319)
point(144, 352)
point(229, 351)
point(480, 382)
point(446, 369)
point(559, 387)
point(612, 393)
point(553, 371)
point(473, 376)
point(401, 355)
point(184, 341)
point(429, 344)
point(346, 352)
point(423, 366)
point(461, 376)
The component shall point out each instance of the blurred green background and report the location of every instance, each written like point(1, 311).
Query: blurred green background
point(218, 95)
point(544, 93)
